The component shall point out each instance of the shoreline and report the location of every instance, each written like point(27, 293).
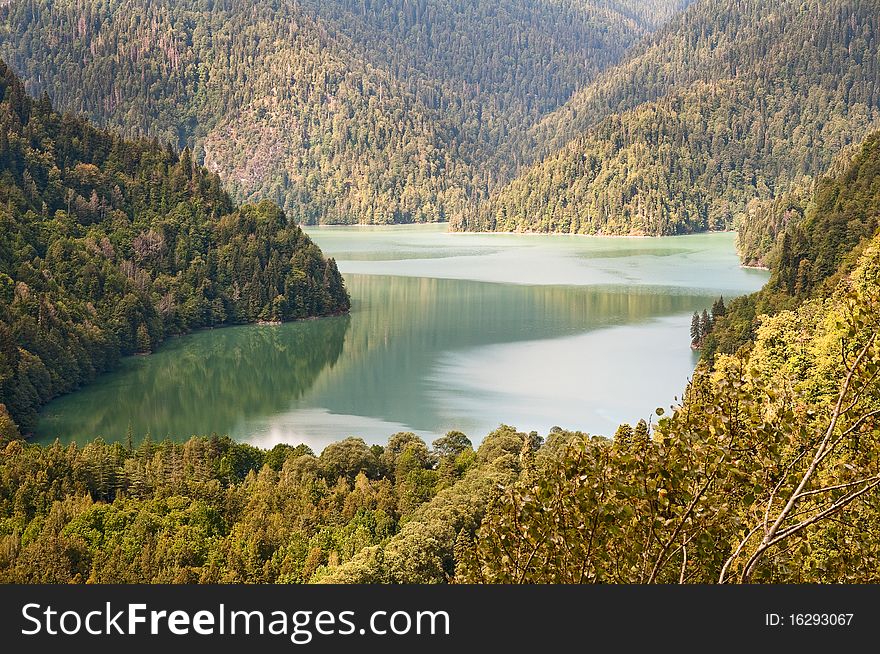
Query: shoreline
point(401, 226)
point(173, 337)
point(634, 236)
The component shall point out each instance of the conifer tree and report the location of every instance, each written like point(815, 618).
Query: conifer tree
point(696, 330)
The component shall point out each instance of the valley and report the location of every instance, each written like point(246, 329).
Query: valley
point(446, 332)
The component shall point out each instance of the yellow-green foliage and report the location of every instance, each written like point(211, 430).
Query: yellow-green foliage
point(706, 489)
point(214, 511)
point(730, 101)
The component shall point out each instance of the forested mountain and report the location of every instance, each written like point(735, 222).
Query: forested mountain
point(339, 111)
point(817, 236)
point(108, 246)
point(768, 471)
point(730, 101)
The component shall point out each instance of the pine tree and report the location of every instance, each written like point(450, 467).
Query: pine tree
point(143, 339)
point(705, 324)
point(696, 330)
point(718, 308)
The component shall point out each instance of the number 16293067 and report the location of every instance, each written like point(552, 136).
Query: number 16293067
point(808, 619)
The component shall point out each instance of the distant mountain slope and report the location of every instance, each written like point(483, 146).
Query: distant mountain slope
point(339, 110)
point(109, 246)
point(728, 102)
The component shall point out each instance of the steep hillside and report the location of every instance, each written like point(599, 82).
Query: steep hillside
point(593, 510)
point(729, 102)
point(769, 471)
point(820, 232)
point(108, 246)
point(340, 111)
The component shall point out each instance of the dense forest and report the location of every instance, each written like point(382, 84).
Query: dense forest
point(810, 239)
point(109, 246)
point(339, 111)
point(568, 116)
point(767, 471)
point(754, 113)
point(731, 101)
point(214, 511)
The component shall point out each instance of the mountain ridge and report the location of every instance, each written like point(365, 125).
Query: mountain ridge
point(109, 246)
point(727, 103)
point(340, 112)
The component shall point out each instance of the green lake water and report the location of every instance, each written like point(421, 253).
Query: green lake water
point(447, 331)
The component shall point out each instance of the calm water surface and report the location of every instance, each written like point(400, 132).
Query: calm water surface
point(462, 331)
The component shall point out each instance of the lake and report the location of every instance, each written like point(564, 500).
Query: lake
point(447, 331)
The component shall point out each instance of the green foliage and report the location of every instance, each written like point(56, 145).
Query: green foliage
point(796, 418)
point(768, 470)
point(730, 101)
point(424, 551)
point(844, 211)
point(8, 428)
point(817, 237)
point(107, 247)
point(211, 510)
point(453, 444)
point(347, 459)
point(340, 111)
point(702, 324)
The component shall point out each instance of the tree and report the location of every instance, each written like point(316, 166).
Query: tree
point(696, 330)
point(405, 141)
point(279, 455)
point(143, 339)
point(8, 428)
point(599, 171)
point(112, 275)
point(814, 485)
point(346, 459)
point(452, 444)
point(404, 443)
point(718, 308)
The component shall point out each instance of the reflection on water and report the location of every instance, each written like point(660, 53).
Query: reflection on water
point(480, 338)
point(212, 381)
point(396, 366)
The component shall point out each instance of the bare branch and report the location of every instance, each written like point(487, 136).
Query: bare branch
point(775, 533)
point(834, 508)
point(684, 562)
point(779, 485)
point(828, 489)
point(736, 553)
point(858, 423)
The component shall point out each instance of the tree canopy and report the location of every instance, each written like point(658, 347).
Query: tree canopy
point(108, 246)
point(340, 111)
point(729, 102)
